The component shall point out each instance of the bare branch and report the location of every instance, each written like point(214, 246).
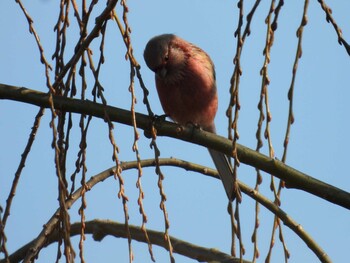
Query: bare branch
point(101, 228)
point(292, 177)
point(47, 235)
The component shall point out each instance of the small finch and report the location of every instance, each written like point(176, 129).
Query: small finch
point(185, 81)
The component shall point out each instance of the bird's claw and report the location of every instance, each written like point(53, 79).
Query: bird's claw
point(160, 118)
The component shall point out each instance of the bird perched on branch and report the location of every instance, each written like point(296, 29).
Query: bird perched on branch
point(185, 81)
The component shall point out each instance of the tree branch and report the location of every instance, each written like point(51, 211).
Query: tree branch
point(292, 177)
point(101, 228)
point(46, 236)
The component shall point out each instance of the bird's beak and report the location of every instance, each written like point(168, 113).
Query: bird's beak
point(161, 72)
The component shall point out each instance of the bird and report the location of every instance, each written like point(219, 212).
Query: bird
point(186, 85)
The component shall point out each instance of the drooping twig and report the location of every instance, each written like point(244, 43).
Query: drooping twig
point(337, 29)
point(263, 106)
point(134, 67)
point(56, 139)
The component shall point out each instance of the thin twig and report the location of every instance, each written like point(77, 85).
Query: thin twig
point(290, 120)
point(134, 66)
point(337, 29)
point(265, 81)
point(56, 133)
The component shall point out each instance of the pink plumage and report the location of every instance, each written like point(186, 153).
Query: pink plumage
point(185, 81)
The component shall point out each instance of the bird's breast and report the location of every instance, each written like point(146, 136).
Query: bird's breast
point(189, 96)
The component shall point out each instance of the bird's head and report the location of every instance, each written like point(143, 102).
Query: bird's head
point(166, 55)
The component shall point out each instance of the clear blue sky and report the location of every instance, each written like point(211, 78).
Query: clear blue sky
point(196, 205)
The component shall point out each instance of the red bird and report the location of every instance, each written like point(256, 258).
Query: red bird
point(185, 81)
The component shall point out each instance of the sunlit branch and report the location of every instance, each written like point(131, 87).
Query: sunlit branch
point(292, 177)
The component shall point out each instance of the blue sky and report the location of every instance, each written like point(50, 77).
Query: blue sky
point(196, 205)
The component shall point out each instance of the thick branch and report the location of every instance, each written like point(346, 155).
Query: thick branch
point(292, 177)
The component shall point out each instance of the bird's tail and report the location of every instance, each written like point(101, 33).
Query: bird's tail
point(224, 168)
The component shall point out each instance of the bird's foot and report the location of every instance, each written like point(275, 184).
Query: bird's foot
point(193, 125)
